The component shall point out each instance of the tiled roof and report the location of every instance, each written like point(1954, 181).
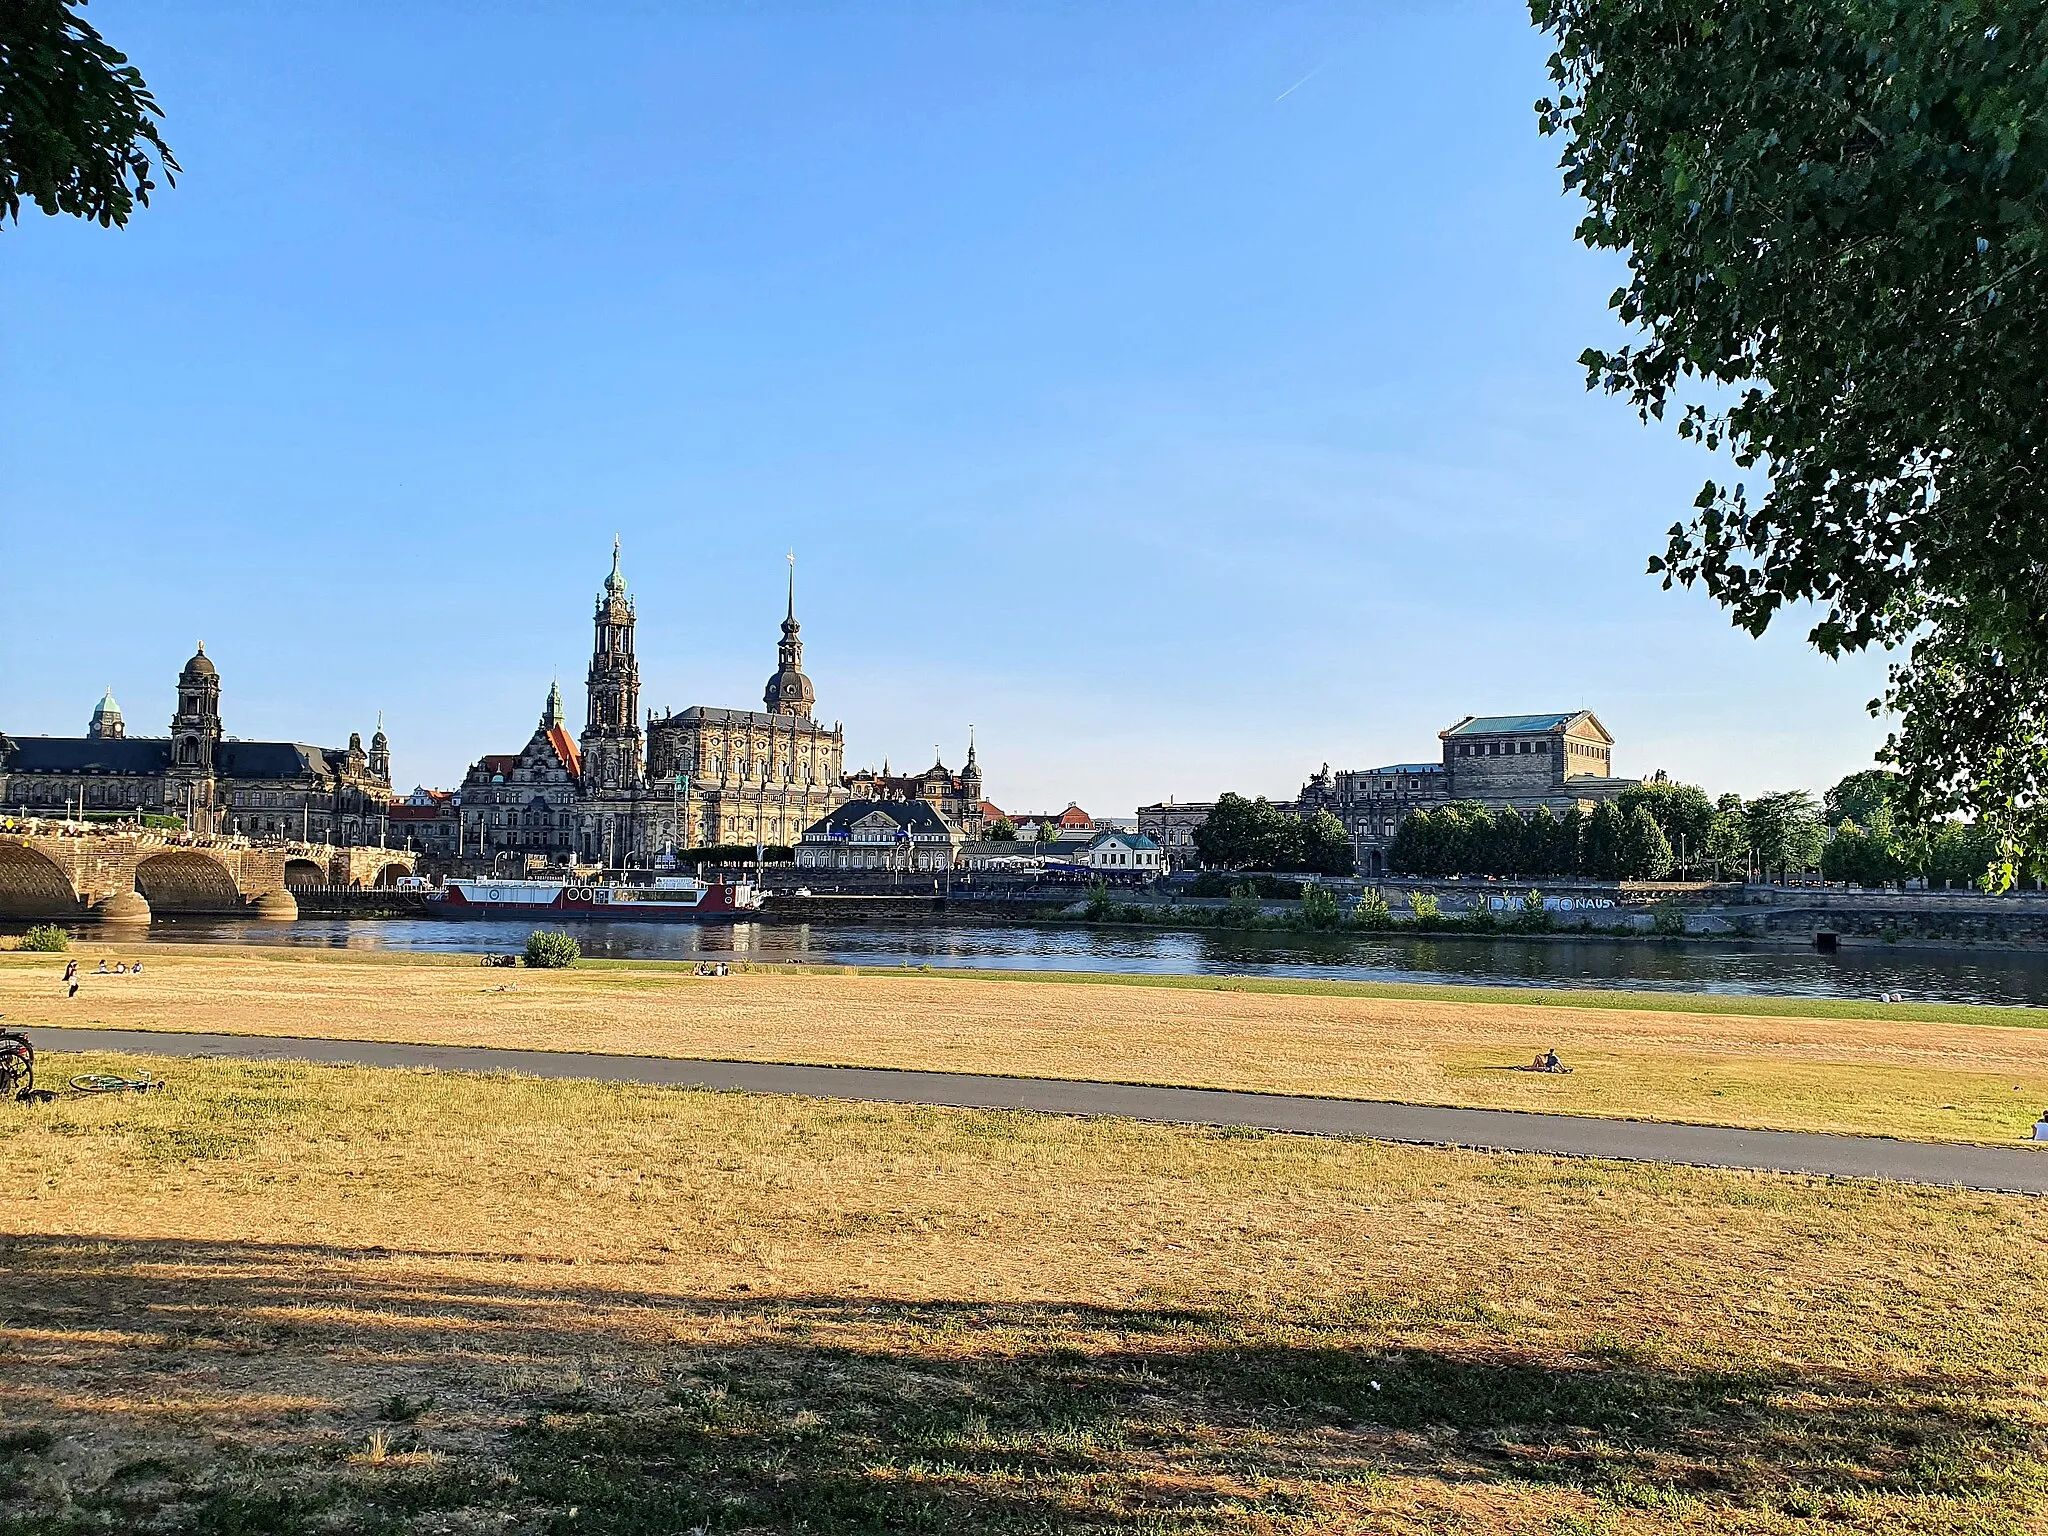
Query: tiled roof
point(1495, 725)
point(565, 748)
point(918, 817)
point(85, 754)
point(268, 760)
point(149, 755)
point(707, 714)
point(1136, 840)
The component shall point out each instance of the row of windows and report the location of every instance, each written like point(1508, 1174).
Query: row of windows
point(1540, 746)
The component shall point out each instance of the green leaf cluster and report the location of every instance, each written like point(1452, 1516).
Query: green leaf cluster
point(77, 124)
point(1835, 219)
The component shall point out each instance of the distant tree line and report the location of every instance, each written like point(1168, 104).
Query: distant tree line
point(1873, 842)
point(1652, 831)
point(1256, 834)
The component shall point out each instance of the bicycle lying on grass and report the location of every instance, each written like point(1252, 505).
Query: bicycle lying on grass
point(18, 1075)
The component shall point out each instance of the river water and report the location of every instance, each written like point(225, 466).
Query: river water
point(1931, 975)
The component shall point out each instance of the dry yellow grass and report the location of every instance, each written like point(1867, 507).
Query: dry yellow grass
point(281, 1297)
point(1923, 1079)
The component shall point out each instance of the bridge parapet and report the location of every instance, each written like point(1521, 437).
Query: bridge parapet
point(71, 869)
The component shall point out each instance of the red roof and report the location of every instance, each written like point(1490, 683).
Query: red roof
point(990, 811)
point(500, 763)
point(565, 748)
point(403, 812)
point(1074, 816)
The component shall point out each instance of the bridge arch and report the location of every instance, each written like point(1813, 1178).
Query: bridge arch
point(389, 875)
point(300, 873)
point(34, 885)
point(186, 880)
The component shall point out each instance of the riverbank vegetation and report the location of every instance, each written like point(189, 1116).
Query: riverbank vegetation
point(287, 1298)
point(1318, 909)
point(1657, 830)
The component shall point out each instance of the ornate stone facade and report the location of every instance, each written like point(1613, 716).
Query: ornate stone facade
point(214, 782)
point(903, 836)
point(527, 802)
point(956, 796)
point(738, 776)
point(637, 788)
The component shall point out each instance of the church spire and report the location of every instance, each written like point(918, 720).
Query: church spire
point(789, 691)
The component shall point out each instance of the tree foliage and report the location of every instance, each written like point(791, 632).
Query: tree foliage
point(1256, 834)
point(1645, 853)
point(1683, 813)
point(1862, 797)
point(1785, 833)
point(1835, 216)
point(77, 124)
point(1326, 846)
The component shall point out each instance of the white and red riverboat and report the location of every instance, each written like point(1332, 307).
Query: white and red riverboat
point(666, 899)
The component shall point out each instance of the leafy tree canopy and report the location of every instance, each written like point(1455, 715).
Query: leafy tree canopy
point(1250, 834)
point(1683, 812)
point(1325, 845)
point(77, 123)
point(1835, 214)
point(1862, 797)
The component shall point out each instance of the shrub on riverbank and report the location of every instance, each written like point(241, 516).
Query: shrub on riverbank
point(551, 951)
point(46, 939)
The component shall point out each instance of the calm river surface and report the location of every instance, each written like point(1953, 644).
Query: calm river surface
point(1934, 975)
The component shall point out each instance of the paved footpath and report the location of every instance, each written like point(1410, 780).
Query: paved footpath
point(2019, 1169)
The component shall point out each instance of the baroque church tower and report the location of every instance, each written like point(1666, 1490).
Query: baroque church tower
point(195, 739)
point(611, 734)
point(195, 728)
point(789, 691)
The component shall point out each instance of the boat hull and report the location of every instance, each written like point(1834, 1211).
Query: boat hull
point(572, 903)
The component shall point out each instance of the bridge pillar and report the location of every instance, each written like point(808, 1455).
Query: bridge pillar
point(278, 906)
point(121, 907)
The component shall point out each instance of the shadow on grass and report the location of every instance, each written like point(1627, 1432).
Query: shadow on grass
point(850, 1413)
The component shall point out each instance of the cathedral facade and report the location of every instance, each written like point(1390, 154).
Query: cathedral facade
point(737, 776)
point(209, 780)
point(637, 786)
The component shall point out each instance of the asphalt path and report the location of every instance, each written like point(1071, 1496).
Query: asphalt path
point(2005, 1170)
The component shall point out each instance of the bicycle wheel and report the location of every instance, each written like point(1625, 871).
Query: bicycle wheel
point(107, 1082)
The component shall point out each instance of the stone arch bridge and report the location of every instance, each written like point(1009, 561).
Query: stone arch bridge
point(68, 871)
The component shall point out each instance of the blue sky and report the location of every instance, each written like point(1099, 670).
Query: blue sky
point(1183, 396)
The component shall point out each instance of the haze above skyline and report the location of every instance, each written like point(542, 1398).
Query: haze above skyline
point(1182, 400)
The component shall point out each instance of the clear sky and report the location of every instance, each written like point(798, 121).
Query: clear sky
point(1184, 396)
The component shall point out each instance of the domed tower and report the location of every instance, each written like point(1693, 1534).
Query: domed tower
point(380, 752)
point(195, 735)
point(106, 720)
point(970, 773)
point(611, 733)
point(789, 691)
point(195, 728)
